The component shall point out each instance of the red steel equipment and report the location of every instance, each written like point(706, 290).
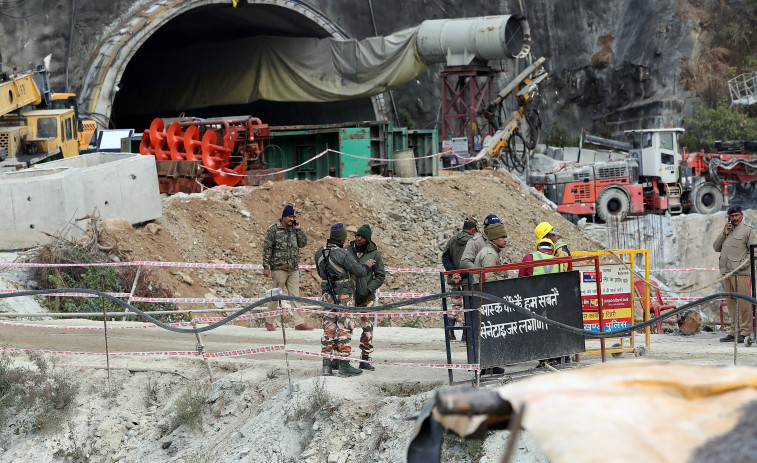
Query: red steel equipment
point(226, 148)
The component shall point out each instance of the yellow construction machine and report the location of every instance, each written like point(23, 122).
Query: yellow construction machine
point(85, 128)
point(31, 136)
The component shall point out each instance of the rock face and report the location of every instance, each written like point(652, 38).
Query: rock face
point(681, 242)
point(614, 62)
point(608, 62)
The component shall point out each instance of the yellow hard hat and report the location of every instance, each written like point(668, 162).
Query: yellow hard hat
point(542, 229)
point(546, 242)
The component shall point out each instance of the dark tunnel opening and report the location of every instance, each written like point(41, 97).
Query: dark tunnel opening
point(186, 39)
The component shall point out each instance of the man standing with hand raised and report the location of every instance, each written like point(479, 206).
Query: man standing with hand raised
point(733, 245)
point(281, 261)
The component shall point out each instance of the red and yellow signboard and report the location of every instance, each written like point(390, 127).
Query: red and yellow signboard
point(616, 283)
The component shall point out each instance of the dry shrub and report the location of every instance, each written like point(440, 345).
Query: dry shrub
point(90, 249)
point(605, 56)
point(43, 390)
point(707, 78)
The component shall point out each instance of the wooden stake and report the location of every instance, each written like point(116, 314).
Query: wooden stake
point(105, 332)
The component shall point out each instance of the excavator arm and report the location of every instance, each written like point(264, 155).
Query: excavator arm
point(523, 87)
point(17, 91)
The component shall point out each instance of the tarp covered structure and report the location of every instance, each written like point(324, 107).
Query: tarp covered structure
point(285, 69)
point(620, 412)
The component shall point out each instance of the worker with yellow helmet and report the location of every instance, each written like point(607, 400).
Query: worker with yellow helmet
point(545, 230)
point(545, 249)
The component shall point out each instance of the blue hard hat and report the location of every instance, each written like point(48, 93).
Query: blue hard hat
point(491, 219)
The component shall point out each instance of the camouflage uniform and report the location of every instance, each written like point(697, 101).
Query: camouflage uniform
point(281, 255)
point(365, 291)
point(451, 257)
point(337, 330)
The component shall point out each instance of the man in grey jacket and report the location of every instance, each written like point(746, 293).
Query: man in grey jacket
point(733, 245)
point(477, 243)
point(492, 254)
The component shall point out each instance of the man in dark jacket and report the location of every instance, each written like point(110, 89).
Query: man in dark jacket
point(281, 261)
point(451, 257)
point(363, 250)
point(335, 266)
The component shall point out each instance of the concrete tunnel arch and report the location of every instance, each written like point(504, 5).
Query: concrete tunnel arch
point(136, 53)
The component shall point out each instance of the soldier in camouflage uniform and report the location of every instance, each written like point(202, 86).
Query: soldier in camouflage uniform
point(336, 267)
point(281, 261)
point(451, 256)
point(363, 249)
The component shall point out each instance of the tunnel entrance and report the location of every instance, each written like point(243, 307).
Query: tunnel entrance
point(155, 73)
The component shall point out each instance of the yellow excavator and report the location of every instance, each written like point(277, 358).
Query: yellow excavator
point(85, 128)
point(30, 136)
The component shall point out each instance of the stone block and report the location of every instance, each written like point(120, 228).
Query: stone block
point(49, 197)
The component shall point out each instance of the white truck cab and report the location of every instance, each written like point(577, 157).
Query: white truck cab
point(657, 152)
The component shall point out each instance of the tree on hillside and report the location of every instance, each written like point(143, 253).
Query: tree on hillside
point(729, 39)
point(721, 122)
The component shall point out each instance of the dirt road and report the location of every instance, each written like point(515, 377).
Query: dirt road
point(252, 413)
point(392, 345)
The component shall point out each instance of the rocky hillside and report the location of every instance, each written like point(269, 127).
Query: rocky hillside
point(610, 69)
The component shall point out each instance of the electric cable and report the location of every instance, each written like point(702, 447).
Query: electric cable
point(393, 305)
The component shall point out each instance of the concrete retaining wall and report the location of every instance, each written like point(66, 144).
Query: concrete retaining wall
point(48, 198)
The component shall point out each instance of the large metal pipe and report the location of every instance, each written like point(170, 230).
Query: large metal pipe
point(460, 42)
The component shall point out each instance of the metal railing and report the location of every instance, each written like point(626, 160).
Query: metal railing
point(743, 89)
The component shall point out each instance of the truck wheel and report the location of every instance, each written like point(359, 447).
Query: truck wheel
point(706, 199)
point(612, 204)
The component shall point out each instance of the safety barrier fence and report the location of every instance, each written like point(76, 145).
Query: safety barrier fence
point(215, 322)
point(204, 265)
point(412, 297)
point(147, 263)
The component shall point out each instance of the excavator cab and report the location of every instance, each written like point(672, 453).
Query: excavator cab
point(85, 128)
point(40, 135)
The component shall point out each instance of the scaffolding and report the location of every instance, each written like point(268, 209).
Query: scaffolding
point(743, 89)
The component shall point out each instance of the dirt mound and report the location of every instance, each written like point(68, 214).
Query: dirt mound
point(412, 219)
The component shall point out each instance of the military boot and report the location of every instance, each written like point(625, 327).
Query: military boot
point(452, 322)
point(366, 365)
point(346, 370)
point(327, 370)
